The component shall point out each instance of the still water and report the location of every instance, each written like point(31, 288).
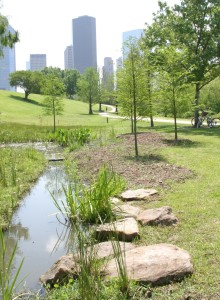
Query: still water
point(41, 238)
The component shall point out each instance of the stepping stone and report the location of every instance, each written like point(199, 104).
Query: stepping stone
point(156, 264)
point(157, 216)
point(105, 249)
point(139, 194)
point(124, 230)
point(126, 210)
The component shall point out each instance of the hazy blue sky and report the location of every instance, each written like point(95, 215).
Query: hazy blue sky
point(45, 26)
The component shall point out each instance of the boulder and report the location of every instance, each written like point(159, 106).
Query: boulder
point(67, 266)
point(125, 230)
point(139, 194)
point(157, 264)
point(157, 216)
point(64, 268)
point(105, 249)
point(126, 210)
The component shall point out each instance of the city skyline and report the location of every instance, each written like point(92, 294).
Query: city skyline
point(46, 26)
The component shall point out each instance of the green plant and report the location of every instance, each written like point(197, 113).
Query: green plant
point(91, 203)
point(7, 283)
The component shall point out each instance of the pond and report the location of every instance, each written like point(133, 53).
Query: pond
point(41, 238)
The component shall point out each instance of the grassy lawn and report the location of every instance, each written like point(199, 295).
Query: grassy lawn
point(195, 201)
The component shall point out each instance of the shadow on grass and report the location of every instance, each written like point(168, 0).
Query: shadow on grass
point(185, 143)
point(147, 158)
point(34, 102)
point(184, 129)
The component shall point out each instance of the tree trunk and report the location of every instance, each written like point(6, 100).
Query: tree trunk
point(90, 106)
point(196, 102)
point(174, 115)
point(100, 106)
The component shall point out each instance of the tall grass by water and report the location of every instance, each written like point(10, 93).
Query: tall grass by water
point(91, 203)
point(19, 168)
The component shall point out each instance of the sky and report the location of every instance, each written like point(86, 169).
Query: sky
point(45, 26)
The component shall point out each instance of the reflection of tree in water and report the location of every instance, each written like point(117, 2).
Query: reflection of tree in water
point(11, 236)
point(56, 177)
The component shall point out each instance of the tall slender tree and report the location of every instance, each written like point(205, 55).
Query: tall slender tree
point(88, 87)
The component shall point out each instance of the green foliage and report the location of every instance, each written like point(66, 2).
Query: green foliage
point(71, 138)
point(53, 88)
point(91, 203)
point(7, 38)
point(8, 284)
point(88, 87)
point(71, 78)
point(28, 80)
point(18, 169)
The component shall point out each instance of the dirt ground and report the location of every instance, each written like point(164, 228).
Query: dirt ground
point(150, 170)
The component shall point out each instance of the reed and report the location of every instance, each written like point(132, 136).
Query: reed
point(8, 284)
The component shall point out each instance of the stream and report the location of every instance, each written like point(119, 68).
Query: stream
point(41, 238)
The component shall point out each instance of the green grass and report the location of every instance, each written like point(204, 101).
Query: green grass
point(196, 202)
point(19, 168)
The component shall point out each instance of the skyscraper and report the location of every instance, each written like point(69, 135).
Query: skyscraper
point(135, 34)
point(84, 43)
point(108, 70)
point(38, 62)
point(7, 65)
point(68, 58)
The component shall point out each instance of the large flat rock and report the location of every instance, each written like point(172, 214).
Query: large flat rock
point(126, 210)
point(157, 216)
point(156, 264)
point(139, 194)
point(125, 230)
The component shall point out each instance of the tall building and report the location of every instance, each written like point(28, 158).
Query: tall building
point(38, 62)
point(108, 70)
point(7, 65)
point(136, 33)
point(118, 63)
point(68, 58)
point(84, 43)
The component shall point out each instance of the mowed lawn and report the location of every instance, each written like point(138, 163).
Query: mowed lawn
point(195, 201)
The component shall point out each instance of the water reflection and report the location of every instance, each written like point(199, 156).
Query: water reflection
point(41, 238)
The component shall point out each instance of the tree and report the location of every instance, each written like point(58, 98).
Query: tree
point(70, 80)
point(88, 87)
point(7, 38)
point(195, 25)
point(53, 102)
point(172, 78)
point(29, 81)
point(131, 86)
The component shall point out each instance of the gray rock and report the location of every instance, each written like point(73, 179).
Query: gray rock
point(139, 194)
point(156, 264)
point(126, 210)
point(105, 249)
point(64, 268)
point(156, 216)
point(124, 230)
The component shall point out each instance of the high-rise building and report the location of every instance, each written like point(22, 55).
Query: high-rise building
point(136, 34)
point(68, 58)
point(108, 70)
point(118, 63)
point(38, 62)
point(7, 65)
point(84, 43)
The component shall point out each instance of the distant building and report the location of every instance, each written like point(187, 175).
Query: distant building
point(118, 63)
point(38, 62)
point(68, 58)
point(7, 65)
point(84, 43)
point(136, 33)
point(108, 70)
